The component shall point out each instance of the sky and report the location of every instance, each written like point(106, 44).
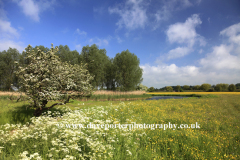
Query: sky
point(178, 42)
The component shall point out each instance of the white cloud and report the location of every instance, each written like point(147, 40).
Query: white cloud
point(178, 52)
point(133, 15)
point(200, 51)
point(185, 32)
point(78, 47)
point(221, 58)
point(32, 8)
point(233, 32)
point(167, 8)
point(172, 75)
point(5, 44)
point(80, 32)
point(99, 41)
point(219, 66)
point(8, 34)
point(7, 31)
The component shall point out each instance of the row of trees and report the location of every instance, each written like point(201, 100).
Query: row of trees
point(205, 87)
point(119, 73)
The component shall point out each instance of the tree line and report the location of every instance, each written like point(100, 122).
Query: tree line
point(119, 73)
point(221, 87)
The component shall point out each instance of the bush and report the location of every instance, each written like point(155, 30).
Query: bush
point(181, 90)
point(205, 87)
point(218, 88)
point(151, 89)
point(211, 90)
point(231, 87)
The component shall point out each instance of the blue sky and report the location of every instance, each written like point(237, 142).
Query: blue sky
point(178, 42)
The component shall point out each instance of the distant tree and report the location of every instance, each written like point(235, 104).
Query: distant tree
point(128, 72)
point(205, 87)
point(42, 48)
point(237, 86)
point(66, 55)
point(231, 87)
point(197, 87)
point(186, 87)
point(7, 68)
point(151, 89)
point(169, 88)
point(224, 86)
point(97, 63)
point(46, 78)
point(110, 72)
point(178, 87)
point(218, 88)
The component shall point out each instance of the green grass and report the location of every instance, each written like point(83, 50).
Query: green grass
point(217, 138)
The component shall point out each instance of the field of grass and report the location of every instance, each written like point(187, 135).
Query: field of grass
point(217, 138)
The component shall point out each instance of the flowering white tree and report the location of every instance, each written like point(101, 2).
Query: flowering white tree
point(46, 78)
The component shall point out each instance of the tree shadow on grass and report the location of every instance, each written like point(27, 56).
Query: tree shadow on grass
point(24, 114)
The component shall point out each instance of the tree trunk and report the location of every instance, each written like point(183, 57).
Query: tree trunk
point(38, 112)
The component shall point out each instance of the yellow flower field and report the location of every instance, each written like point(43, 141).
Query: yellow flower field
point(235, 93)
point(212, 130)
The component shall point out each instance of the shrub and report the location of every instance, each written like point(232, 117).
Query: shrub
point(231, 87)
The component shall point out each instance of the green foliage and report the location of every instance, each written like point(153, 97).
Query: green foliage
point(46, 78)
point(7, 68)
point(197, 87)
point(169, 88)
point(221, 87)
point(181, 90)
point(66, 55)
point(231, 87)
point(151, 89)
point(237, 86)
point(128, 73)
point(218, 88)
point(178, 87)
point(186, 87)
point(97, 64)
point(205, 87)
point(141, 87)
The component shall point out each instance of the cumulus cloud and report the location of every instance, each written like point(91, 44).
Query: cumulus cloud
point(178, 52)
point(221, 59)
point(221, 65)
point(233, 33)
point(171, 75)
point(185, 32)
point(133, 15)
point(32, 8)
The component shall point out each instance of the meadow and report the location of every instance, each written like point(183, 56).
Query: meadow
point(23, 136)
